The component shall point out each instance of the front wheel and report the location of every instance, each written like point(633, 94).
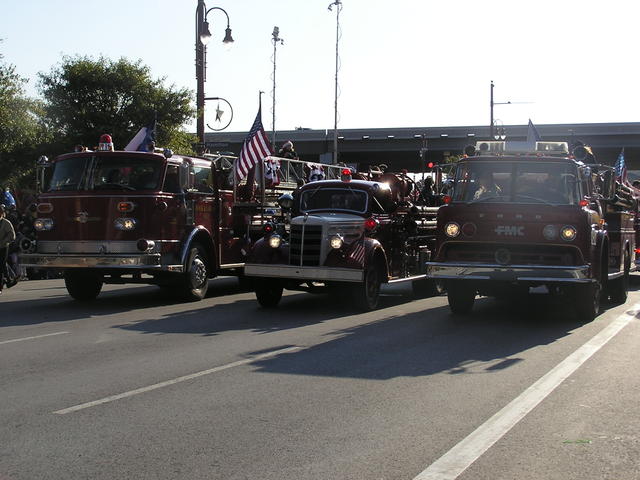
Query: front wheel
point(82, 286)
point(587, 301)
point(195, 281)
point(268, 293)
point(461, 295)
point(367, 293)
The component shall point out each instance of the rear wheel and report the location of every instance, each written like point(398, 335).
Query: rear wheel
point(461, 295)
point(619, 288)
point(268, 292)
point(82, 285)
point(587, 301)
point(195, 281)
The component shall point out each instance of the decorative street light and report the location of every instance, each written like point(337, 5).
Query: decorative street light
point(492, 123)
point(338, 5)
point(203, 35)
point(499, 132)
point(276, 40)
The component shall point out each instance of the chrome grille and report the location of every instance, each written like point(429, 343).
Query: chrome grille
point(305, 248)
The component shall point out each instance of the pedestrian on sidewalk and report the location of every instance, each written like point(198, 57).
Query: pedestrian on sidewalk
point(7, 235)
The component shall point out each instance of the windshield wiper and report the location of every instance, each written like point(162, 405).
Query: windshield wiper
point(528, 197)
point(483, 199)
point(108, 186)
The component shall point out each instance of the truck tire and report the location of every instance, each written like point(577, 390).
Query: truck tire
point(82, 285)
point(618, 289)
point(268, 292)
point(587, 301)
point(461, 295)
point(367, 294)
point(195, 281)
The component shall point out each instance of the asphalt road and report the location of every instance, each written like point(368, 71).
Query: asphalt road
point(136, 386)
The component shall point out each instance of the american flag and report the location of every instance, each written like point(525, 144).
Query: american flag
point(621, 168)
point(357, 251)
point(256, 147)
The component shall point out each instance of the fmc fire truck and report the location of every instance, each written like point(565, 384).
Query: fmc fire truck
point(525, 219)
point(349, 236)
point(154, 217)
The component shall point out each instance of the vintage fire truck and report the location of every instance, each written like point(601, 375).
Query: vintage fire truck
point(525, 219)
point(154, 217)
point(346, 236)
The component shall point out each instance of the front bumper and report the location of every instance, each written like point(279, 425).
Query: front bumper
point(316, 274)
point(144, 261)
point(509, 273)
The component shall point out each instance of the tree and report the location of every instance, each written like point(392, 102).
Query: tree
point(21, 128)
point(85, 98)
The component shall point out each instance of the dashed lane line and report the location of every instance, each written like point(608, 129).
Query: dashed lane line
point(460, 457)
point(24, 339)
point(167, 383)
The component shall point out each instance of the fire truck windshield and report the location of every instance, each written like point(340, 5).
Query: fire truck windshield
point(552, 183)
point(105, 173)
point(343, 199)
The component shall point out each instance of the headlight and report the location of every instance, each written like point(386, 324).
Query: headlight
point(452, 229)
point(275, 241)
point(123, 223)
point(42, 224)
point(336, 241)
point(550, 232)
point(568, 233)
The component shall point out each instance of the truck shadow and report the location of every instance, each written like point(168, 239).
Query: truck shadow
point(55, 305)
point(490, 339)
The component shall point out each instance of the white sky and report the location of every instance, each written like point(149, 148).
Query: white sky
point(404, 63)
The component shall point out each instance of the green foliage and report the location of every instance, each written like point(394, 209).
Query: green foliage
point(86, 98)
point(22, 130)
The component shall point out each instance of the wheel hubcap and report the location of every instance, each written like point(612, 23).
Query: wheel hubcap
point(198, 272)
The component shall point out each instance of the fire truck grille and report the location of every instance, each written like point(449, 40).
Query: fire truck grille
point(306, 248)
point(518, 254)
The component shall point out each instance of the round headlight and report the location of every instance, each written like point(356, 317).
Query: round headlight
point(43, 224)
point(550, 232)
point(123, 223)
point(336, 241)
point(452, 229)
point(568, 233)
point(275, 241)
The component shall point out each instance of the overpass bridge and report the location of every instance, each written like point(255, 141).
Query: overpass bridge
point(402, 147)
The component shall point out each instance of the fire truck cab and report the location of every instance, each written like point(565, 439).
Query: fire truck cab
point(544, 217)
point(346, 236)
point(151, 217)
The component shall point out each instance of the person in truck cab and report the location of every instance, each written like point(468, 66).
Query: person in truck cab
point(487, 187)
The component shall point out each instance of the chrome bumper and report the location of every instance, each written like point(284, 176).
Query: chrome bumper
point(509, 273)
point(320, 274)
point(91, 261)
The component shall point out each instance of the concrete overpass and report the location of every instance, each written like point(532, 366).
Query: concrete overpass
point(401, 147)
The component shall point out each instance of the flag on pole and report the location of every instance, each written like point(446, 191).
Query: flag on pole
point(621, 168)
point(255, 148)
point(532, 133)
point(143, 138)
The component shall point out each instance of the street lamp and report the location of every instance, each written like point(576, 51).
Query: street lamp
point(338, 5)
point(203, 35)
point(499, 132)
point(276, 40)
point(492, 123)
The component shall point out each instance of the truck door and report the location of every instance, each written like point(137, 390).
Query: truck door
point(173, 191)
point(201, 196)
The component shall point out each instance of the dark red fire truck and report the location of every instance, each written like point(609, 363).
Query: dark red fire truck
point(542, 216)
point(153, 218)
point(348, 237)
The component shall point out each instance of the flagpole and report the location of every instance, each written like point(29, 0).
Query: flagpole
point(338, 5)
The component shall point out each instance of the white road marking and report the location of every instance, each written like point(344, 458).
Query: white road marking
point(461, 456)
point(32, 338)
point(167, 383)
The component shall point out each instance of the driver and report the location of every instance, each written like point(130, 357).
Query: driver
point(487, 187)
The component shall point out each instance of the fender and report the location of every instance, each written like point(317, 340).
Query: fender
point(372, 246)
point(208, 243)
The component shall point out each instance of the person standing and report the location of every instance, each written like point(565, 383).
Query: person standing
point(7, 235)
point(287, 151)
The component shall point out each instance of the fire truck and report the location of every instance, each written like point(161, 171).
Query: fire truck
point(154, 217)
point(346, 236)
point(540, 216)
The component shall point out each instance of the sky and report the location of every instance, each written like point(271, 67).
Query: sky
point(403, 63)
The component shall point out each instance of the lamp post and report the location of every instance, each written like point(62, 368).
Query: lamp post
point(338, 5)
point(492, 103)
point(203, 35)
point(276, 40)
